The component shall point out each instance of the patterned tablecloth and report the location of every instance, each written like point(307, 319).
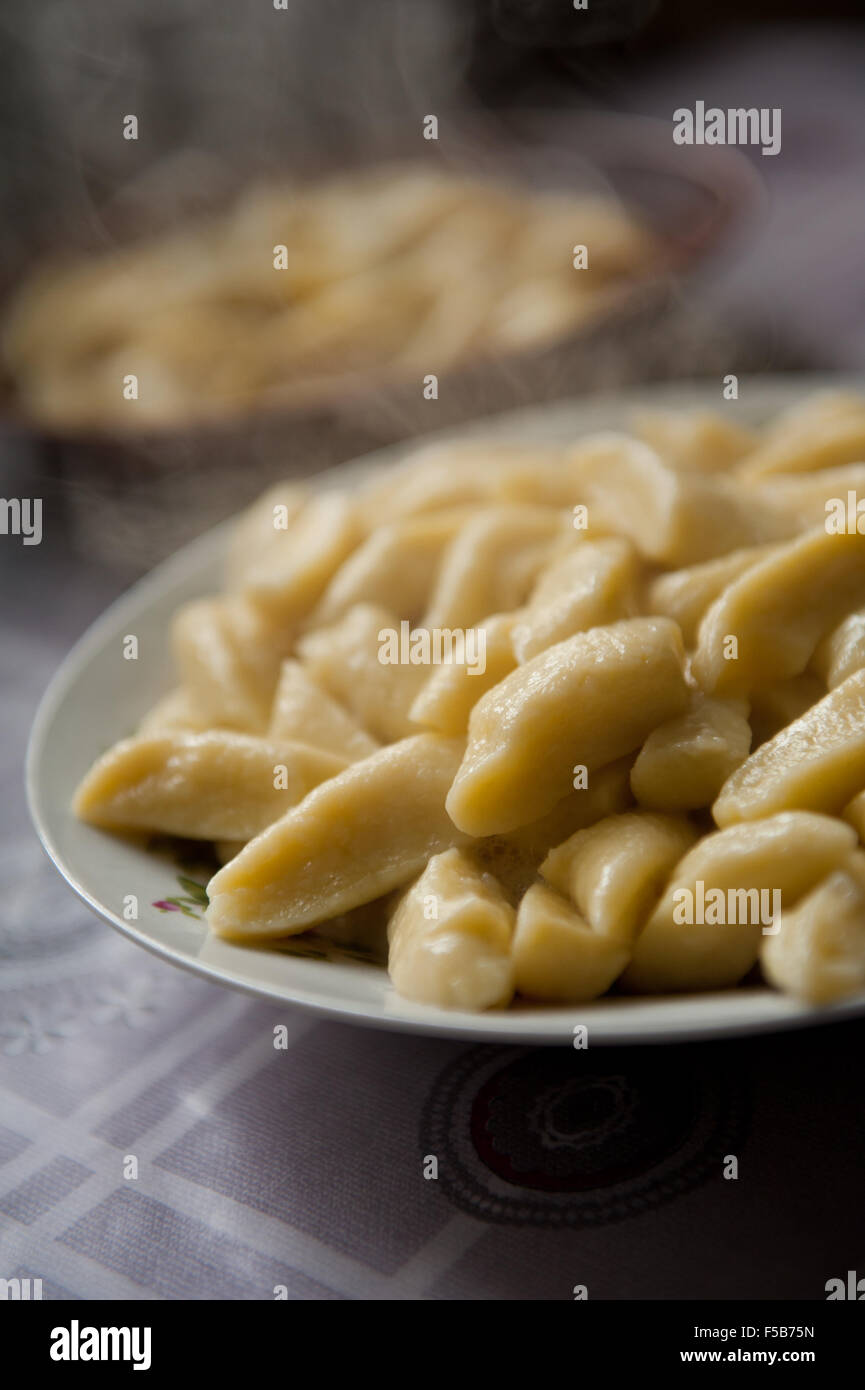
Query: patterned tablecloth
point(304, 1169)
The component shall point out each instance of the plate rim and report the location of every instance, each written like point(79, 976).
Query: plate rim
point(779, 1012)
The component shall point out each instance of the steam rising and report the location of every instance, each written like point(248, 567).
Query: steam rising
point(224, 90)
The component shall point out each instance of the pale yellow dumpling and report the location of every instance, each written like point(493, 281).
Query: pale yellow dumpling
point(216, 785)
point(818, 953)
point(766, 625)
point(706, 931)
point(557, 955)
point(817, 763)
point(450, 937)
point(368, 829)
point(614, 871)
point(684, 762)
point(449, 695)
point(304, 711)
point(589, 585)
point(345, 659)
point(583, 702)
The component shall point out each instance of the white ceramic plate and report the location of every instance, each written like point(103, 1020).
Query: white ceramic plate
point(95, 699)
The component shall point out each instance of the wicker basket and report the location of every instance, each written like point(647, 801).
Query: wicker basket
point(133, 497)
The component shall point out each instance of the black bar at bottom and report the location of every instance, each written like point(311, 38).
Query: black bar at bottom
point(83, 1338)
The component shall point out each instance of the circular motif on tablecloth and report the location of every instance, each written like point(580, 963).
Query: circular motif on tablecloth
point(570, 1138)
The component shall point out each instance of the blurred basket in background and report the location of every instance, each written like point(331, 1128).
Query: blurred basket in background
point(134, 494)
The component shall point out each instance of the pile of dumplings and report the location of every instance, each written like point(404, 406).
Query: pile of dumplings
point(299, 292)
point(671, 709)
